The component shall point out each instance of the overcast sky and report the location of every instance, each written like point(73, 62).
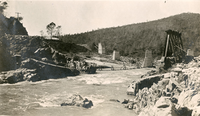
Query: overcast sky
point(76, 16)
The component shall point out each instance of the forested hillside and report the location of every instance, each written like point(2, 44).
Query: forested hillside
point(134, 39)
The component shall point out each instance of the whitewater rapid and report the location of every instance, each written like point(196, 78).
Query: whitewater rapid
point(43, 98)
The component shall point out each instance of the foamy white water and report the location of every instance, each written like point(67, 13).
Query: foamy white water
point(43, 98)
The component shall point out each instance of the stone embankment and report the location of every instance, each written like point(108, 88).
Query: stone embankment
point(175, 93)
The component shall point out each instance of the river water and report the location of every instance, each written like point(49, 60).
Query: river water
point(43, 98)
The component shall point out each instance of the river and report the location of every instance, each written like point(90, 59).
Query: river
point(43, 98)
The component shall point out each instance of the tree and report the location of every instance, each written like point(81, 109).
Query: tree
point(3, 6)
point(51, 28)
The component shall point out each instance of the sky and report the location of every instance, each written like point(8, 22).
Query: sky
point(77, 16)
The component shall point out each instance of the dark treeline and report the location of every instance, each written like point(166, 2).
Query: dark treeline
point(133, 40)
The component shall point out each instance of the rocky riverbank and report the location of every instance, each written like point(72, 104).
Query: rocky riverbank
point(175, 93)
point(32, 58)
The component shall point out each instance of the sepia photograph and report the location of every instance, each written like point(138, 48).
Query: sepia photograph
point(99, 58)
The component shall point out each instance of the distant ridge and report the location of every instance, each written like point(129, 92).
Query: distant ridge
point(134, 39)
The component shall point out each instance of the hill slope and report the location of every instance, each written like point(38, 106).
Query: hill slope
point(133, 39)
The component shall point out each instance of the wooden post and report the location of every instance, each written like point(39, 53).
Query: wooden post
point(17, 15)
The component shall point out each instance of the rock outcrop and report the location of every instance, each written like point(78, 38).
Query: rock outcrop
point(14, 49)
point(44, 56)
point(175, 93)
point(11, 26)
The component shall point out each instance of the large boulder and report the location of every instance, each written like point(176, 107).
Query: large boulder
point(185, 97)
point(163, 83)
point(190, 98)
point(163, 102)
point(195, 101)
point(48, 70)
point(184, 111)
point(154, 111)
point(164, 107)
point(134, 87)
point(171, 110)
point(77, 100)
point(21, 74)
